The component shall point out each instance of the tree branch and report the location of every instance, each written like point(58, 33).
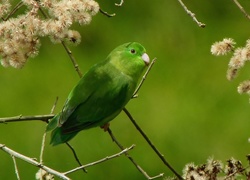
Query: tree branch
point(32, 162)
point(106, 13)
point(16, 169)
point(130, 158)
point(150, 143)
point(68, 51)
point(241, 8)
point(44, 136)
point(120, 4)
point(143, 78)
point(75, 156)
point(101, 160)
point(73, 60)
point(190, 13)
point(43, 118)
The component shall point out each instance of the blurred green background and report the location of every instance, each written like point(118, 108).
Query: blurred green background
point(186, 105)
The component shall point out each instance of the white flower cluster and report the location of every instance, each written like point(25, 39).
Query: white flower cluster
point(240, 56)
point(20, 36)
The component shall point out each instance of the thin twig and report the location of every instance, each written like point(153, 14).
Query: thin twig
point(138, 127)
point(54, 106)
point(143, 78)
point(190, 13)
point(242, 9)
point(119, 4)
point(106, 13)
point(16, 169)
point(75, 156)
point(101, 160)
point(18, 6)
point(43, 13)
point(42, 148)
point(150, 143)
point(43, 118)
point(44, 135)
point(76, 66)
point(236, 172)
point(32, 162)
point(130, 158)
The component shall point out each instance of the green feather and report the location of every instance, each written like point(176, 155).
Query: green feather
point(101, 93)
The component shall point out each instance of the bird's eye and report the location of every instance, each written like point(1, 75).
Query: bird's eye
point(132, 51)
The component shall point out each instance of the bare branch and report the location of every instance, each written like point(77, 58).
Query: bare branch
point(73, 60)
point(76, 66)
point(75, 156)
point(43, 118)
point(101, 160)
point(190, 13)
point(150, 143)
point(44, 135)
point(106, 13)
point(143, 78)
point(32, 162)
point(129, 157)
point(54, 106)
point(241, 8)
point(42, 148)
point(120, 4)
point(16, 169)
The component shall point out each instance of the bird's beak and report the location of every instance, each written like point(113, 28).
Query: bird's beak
point(146, 58)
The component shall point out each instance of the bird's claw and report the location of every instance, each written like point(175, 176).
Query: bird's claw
point(105, 127)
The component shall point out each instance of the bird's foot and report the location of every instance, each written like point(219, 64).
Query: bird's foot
point(105, 127)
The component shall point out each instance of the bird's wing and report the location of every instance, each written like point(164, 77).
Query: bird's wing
point(79, 94)
point(96, 100)
point(97, 110)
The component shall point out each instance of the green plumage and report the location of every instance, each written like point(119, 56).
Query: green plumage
point(101, 93)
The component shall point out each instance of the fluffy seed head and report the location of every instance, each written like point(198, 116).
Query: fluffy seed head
point(19, 36)
point(222, 47)
point(238, 59)
point(244, 87)
point(73, 37)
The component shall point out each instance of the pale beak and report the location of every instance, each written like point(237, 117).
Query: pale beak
point(146, 58)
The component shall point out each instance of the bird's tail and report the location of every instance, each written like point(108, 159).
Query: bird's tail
point(57, 135)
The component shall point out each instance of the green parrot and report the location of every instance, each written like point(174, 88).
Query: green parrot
point(101, 93)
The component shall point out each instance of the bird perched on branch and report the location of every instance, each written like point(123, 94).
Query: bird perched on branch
point(101, 93)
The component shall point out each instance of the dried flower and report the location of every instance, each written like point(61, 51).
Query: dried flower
point(222, 47)
point(20, 36)
point(233, 166)
point(244, 87)
point(92, 7)
point(246, 52)
point(188, 169)
point(73, 37)
point(44, 175)
point(232, 73)
point(83, 18)
point(238, 59)
point(214, 166)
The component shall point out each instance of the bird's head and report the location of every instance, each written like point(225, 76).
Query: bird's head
point(131, 58)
